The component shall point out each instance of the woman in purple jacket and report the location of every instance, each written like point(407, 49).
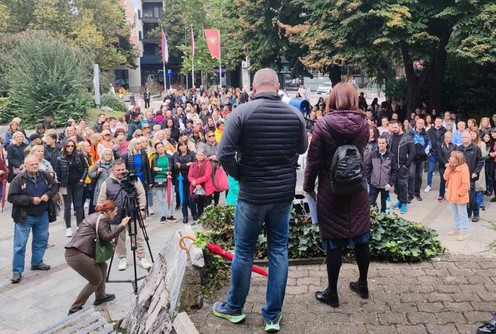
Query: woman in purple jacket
point(343, 220)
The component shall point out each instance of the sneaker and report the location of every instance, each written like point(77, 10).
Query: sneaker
point(185, 220)
point(150, 211)
point(475, 219)
point(172, 219)
point(483, 208)
point(145, 264)
point(41, 266)
point(273, 326)
point(163, 219)
point(74, 310)
point(109, 297)
point(462, 237)
point(16, 278)
point(440, 198)
point(50, 245)
point(397, 205)
point(361, 289)
point(410, 199)
point(122, 264)
point(177, 207)
point(427, 189)
point(68, 232)
point(222, 310)
point(453, 233)
point(403, 208)
point(489, 327)
point(493, 199)
point(418, 198)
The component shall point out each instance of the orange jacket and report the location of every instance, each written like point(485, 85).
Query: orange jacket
point(457, 184)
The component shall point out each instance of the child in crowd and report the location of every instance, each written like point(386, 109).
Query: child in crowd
point(457, 177)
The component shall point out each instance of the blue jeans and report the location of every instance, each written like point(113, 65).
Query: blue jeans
point(165, 210)
point(39, 225)
point(248, 222)
point(433, 159)
point(460, 217)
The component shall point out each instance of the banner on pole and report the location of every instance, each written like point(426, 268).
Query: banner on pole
point(192, 43)
point(165, 49)
point(213, 41)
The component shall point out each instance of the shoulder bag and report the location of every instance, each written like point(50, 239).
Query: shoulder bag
point(103, 250)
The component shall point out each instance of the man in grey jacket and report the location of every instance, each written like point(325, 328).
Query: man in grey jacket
point(266, 135)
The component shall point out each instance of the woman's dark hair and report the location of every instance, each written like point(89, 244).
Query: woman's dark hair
point(376, 132)
point(342, 97)
point(40, 126)
point(107, 206)
point(158, 143)
point(66, 143)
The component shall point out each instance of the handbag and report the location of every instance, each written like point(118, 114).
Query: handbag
point(160, 182)
point(220, 180)
point(103, 250)
point(199, 192)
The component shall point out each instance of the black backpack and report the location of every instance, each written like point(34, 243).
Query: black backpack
point(346, 171)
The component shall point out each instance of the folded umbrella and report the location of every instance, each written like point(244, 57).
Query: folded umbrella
point(216, 249)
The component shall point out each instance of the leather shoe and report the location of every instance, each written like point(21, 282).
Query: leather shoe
point(361, 289)
point(16, 278)
point(110, 296)
point(41, 266)
point(74, 310)
point(327, 297)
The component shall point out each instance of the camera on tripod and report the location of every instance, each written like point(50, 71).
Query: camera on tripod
point(129, 180)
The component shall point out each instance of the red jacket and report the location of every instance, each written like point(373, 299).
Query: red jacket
point(202, 175)
point(3, 167)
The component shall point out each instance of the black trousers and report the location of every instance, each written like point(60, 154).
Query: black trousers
point(374, 193)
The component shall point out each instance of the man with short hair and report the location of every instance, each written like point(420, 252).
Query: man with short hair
point(29, 194)
point(114, 189)
point(447, 121)
point(266, 135)
point(436, 136)
point(422, 147)
point(457, 134)
point(475, 162)
point(402, 146)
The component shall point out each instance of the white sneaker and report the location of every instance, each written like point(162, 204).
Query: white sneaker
point(122, 264)
point(68, 232)
point(145, 264)
point(427, 189)
point(150, 210)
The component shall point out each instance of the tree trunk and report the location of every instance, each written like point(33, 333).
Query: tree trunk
point(334, 74)
point(414, 82)
point(437, 77)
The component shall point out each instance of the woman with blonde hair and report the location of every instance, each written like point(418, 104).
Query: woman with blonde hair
point(457, 177)
point(45, 165)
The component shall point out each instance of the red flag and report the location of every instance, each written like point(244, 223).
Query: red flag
point(192, 43)
point(213, 41)
point(165, 49)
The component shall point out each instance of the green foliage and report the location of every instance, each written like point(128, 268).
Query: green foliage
point(48, 78)
point(113, 102)
point(6, 110)
point(393, 238)
point(397, 239)
point(396, 88)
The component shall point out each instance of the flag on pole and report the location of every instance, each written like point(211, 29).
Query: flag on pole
point(165, 49)
point(192, 43)
point(213, 41)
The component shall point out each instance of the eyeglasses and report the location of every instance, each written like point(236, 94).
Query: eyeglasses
point(70, 146)
point(210, 136)
point(139, 135)
point(146, 127)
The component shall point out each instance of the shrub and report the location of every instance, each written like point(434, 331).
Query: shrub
point(6, 110)
point(396, 88)
point(393, 238)
point(113, 102)
point(49, 78)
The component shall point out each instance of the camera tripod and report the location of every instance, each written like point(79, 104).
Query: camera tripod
point(131, 209)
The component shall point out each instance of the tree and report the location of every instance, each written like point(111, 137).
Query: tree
point(375, 34)
point(48, 77)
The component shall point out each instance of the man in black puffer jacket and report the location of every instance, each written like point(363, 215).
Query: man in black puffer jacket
point(266, 134)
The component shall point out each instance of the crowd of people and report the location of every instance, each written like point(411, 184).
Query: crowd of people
point(178, 153)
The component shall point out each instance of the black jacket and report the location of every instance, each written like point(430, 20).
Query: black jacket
point(15, 157)
point(437, 137)
point(145, 166)
point(19, 197)
point(62, 168)
point(473, 157)
point(444, 153)
point(406, 150)
point(267, 134)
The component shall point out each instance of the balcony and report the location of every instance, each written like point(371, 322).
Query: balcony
point(150, 59)
point(150, 15)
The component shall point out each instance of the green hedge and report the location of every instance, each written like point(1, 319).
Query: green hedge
point(113, 102)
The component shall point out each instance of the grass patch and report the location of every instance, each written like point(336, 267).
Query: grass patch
point(92, 114)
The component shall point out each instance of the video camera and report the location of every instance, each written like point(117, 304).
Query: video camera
point(129, 180)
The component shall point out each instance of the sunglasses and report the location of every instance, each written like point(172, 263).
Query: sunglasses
point(139, 135)
point(70, 146)
point(210, 136)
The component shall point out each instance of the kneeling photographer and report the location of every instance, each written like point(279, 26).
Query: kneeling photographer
point(117, 187)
